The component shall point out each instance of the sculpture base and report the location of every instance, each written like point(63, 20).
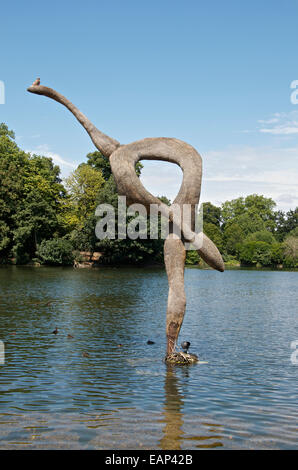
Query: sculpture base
point(181, 358)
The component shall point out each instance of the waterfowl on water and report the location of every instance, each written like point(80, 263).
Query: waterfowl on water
point(86, 354)
point(55, 331)
point(150, 342)
point(69, 336)
point(185, 346)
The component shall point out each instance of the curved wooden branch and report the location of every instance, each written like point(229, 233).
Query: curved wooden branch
point(105, 144)
point(123, 162)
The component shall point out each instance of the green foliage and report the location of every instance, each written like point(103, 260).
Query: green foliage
point(215, 234)
point(253, 204)
point(4, 131)
point(127, 251)
point(83, 186)
point(165, 200)
point(192, 257)
point(231, 262)
point(277, 253)
point(294, 232)
point(4, 236)
point(261, 253)
point(233, 237)
point(248, 227)
point(255, 252)
point(55, 252)
point(31, 197)
point(285, 223)
point(211, 214)
point(290, 247)
point(260, 236)
point(100, 163)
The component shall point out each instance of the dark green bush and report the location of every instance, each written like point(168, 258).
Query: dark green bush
point(55, 252)
point(256, 252)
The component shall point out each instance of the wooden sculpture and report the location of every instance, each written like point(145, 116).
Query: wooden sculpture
point(123, 159)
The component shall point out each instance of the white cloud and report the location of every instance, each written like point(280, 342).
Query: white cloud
point(238, 171)
point(44, 150)
point(285, 124)
point(59, 160)
point(234, 172)
point(268, 121)
point(282, 130)
point(161, 178)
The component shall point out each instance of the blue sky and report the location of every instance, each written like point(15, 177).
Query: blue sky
point(214, 74)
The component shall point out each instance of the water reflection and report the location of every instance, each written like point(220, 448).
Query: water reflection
point(174, 436)
point(173, 417)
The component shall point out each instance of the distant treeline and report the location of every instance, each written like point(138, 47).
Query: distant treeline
point(46, 220)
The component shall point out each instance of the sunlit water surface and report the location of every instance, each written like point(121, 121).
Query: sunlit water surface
point(122, 395)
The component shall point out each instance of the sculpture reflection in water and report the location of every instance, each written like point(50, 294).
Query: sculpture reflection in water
point(179, 431)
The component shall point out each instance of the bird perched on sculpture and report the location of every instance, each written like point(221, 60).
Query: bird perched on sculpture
point(37, 82)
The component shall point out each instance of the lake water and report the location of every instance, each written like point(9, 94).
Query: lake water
point(240, 322)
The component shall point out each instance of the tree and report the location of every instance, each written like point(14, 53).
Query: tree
point(37, 216)
point(279, 225)
point(4, 131)
point(31, 196)
point(285, 223)
point(55, 252)
point(233, 237)
point(12, 163)
point(211, 214)
point(290, 246)
point(99, 162)
point(260, 236)
point(192, 257)
point(277, 254)
point(127, 251)
point(256, 252)
point(214, 233)
point(263, 206)
point(237, 229)
point(232, 209)
point(253, 204)
point(83, 186)
point(294, 232)
point(4, 236)
point(291, 220)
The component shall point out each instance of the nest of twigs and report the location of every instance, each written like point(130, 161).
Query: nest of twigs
point(181, 358)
